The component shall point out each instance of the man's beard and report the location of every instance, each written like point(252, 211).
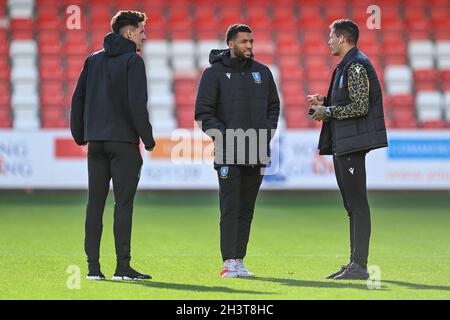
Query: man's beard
point(240, 54)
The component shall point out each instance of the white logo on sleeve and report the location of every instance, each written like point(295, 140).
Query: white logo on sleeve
point(228, 75)
point(352, 170)
point(358, 69)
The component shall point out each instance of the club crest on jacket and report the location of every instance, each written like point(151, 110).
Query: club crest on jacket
point(257, 77)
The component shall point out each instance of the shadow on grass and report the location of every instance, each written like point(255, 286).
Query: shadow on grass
point(417, 286)
point(318, 284)
point(187, 287)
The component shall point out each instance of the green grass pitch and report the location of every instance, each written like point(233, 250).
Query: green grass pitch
point(297, 239)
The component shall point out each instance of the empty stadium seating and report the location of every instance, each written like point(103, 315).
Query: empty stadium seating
point(40, 58)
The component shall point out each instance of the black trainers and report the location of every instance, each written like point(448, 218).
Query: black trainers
point(94, 272)
point(331, 276)
point(353, 272)
point(129, 274)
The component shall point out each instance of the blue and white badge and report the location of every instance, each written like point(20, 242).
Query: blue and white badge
point(341, 82)
point(223, 172)
point(257, 77)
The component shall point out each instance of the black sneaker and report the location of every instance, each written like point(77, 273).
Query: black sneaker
point(353, 272)
point(129, 274)
point(331, 276)
point(94, 272)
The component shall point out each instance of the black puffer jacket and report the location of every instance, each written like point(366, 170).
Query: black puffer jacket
point(110, 100)
point(238, 94)
point(355, 134)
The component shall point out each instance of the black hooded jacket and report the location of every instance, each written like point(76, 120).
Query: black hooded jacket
point(237, 94)
point(110, 99)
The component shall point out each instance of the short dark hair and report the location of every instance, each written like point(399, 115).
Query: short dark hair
point(348, 28)
point(125, 18)
point(234, 29)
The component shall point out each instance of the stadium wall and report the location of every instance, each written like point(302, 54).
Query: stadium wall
point(49, 159)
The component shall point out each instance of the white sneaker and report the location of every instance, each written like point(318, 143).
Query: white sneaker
point(229, 269)
point(242, 270)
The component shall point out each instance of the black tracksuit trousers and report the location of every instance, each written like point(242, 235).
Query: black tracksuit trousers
point(350, 173)
point(238, 189)
point(122, 162)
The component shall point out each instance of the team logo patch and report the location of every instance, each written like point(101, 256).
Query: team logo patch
point(341, 82)
point(223, 172)
point(228, 75)
point(257, 77)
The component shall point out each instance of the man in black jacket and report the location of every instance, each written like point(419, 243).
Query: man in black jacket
point(238, 106)
point(109, 113)
point(353, 124)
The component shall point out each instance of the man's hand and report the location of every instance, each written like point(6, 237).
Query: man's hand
point(316, 99)
point(320, 114)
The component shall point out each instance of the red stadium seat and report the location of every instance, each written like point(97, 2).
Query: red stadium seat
point(318, 86)
point(185, 117)
point(54, 118)
point(288, 47)
point(76, 43)
point(293, 92)
point(438, 124)
point(5, 94)
point(100, 11)
point(5, 117)
point(426, 80)
point(74, 67)
point(22, 29)
point(260, 25)
point(282, 13)
point(319, 48)
point(50, 43)
point(4, 48)
point(291, 73)
point(401, 101)
point(179, 20)
point(445, 75)
point(51, 68)
point(395, 60)
point(49, 21)
point(127, 5)
point(4, 68)
point(207, 34)
point(297, 118)
point(395, 49)
point(52, 95)
point(260, 11)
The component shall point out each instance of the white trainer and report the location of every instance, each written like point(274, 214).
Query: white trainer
point(242, 270)
point(229, 269)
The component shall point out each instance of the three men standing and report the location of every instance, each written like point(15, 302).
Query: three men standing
point(238, 106)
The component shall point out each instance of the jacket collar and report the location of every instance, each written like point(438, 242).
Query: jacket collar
point(350, 54)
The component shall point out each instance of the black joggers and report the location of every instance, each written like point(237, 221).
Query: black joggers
point(350, 173)
point(238, 189)
point(122, 162)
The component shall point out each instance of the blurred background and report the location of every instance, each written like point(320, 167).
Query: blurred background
point(41, 56)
